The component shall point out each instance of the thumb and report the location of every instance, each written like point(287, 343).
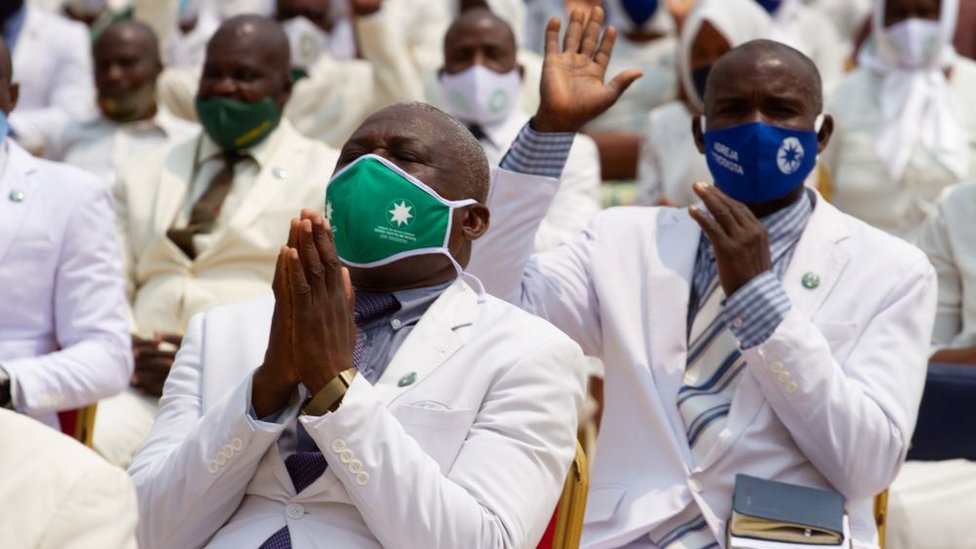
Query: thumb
point(622, 81)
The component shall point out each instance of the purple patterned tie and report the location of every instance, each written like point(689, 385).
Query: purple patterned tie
point(305, 467)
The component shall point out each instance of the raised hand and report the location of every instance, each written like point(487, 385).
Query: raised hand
point(739, 240)
point(573, 91)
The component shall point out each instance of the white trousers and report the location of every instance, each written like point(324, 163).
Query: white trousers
point(122, 424)
point(932, 505)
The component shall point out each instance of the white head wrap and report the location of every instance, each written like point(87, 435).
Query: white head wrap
point(739, 21)
point(916, 105)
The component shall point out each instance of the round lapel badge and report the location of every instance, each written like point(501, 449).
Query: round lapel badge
point(810, 280)
point(408, 379)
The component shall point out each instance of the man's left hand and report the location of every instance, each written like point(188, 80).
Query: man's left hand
point(572, 89)
point(324, 331)
point(740, 242)
point(153, 363)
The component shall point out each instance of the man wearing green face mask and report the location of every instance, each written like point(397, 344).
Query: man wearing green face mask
point(200, 221)
point(377, 399)
point(131, 123)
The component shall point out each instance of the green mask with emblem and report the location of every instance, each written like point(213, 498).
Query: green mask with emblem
point(235, 125)
point(380, 214)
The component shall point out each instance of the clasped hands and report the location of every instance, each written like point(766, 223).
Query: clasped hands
point(312, 329)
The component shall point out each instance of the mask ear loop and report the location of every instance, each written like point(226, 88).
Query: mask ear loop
point(818, 124)
point(701, 123)
point(473, 280)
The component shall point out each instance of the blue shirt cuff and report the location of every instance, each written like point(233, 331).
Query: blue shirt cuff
point(538, 153)
point(755, 310)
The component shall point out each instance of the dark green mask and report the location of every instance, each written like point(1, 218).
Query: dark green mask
point(234, 124)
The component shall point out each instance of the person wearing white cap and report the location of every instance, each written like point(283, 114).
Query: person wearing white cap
point(905, 121)
point(669, 161)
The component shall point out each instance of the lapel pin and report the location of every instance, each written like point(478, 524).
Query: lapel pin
point(810, 280)
point(407, 379)
point(16, 196)
point(279, 173)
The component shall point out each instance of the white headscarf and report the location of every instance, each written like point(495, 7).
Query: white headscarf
point(915, 102)
point(739, 21)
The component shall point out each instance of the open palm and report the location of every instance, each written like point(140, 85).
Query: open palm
point(573, 91)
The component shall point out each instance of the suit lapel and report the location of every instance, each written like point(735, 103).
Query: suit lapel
point(432, 342)
point(174, 184)
point(670, 283)
point(818, 252)
point(17, 193)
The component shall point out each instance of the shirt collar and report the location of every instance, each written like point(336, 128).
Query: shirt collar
point(415, 301)
point(502, 134)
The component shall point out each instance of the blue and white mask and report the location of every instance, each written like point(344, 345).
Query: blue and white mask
point(758, 162)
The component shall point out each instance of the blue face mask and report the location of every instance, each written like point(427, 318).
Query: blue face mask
point(4, 126)
point(770, 5)
point(639, 11)
point(757, 162)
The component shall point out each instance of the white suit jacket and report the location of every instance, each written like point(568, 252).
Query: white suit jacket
point(58, 494)
point(166, 287)
point(53, 65)
point(64, 333)
point(949, 239)
point(828, 400)
point(473, 453)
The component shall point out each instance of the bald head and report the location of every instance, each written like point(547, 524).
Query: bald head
point(479, 37)
point(129, 31)
point(759, 59)
point(126, 56)
point(248, 60)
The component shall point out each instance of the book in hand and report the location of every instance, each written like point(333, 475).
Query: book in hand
point(767, 514)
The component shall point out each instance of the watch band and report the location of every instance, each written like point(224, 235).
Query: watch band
point(329, 395)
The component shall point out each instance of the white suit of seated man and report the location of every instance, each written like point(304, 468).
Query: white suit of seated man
point(463, 440)
point(827, 397)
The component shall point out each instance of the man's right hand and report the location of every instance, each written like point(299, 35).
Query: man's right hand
point(572, 88)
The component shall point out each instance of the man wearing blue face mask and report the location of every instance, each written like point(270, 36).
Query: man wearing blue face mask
point(760, 331)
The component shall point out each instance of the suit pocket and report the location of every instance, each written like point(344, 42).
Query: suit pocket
point(440, 432)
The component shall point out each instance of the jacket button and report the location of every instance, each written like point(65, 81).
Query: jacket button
point(362, 478)
point(791, 387)
point(695, 485)
point(355, 466)
point(784, 376)
point(776, 367)
point(237, 444)
point(227, 451)
point(294, 511)
point(338, 445)
point(346, 455)
point(212, 467)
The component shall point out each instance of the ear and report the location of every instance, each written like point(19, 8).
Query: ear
point(696, 131)
point(475, 222)
point(14, 93)
point(826, 130)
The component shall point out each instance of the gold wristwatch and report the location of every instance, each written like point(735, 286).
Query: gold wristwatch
point(330, 395)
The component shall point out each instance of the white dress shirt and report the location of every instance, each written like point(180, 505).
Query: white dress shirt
point(862, 184)
point(101, 146)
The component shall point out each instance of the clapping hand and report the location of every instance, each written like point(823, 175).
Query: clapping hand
point(572, 90)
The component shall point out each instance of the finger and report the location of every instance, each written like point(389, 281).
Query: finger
point(716, 235)
point(552, 36)
point(175, 339)
point(622, 81)
point(293, 232)
point(300, 289)
point(743, 215)
point(311, 262)
point(280, 274)
point(605, 51)
point(719, 209)
point(350, 291)
point(571, 42)
point(591, 34)
point(325, 242)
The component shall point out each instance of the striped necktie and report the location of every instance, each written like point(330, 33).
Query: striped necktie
point(711, 374)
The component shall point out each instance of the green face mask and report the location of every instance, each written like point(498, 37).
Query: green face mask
point(131, 107)
point(234, 124)
point(380, 214)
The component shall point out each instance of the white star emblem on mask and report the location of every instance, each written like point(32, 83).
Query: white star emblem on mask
point(400, 214)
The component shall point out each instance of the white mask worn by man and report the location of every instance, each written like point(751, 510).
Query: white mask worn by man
point(306, 41)
point(479, 95)
point(917, 108)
